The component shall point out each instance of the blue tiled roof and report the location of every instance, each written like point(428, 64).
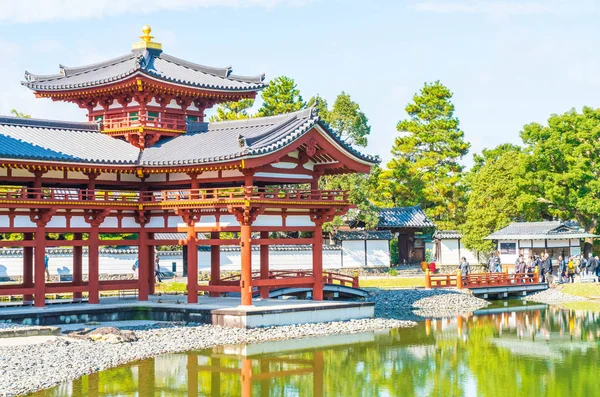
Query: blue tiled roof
point(152, 63)
point(363, 235)
point(403, 217)
point(31, 139)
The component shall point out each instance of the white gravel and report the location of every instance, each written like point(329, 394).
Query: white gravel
point(24, 369)
point(553, 296)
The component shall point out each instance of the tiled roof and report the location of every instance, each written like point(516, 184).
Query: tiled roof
point(151, 63)
point(447, 234)
point(32, 139)
point(538, 231)
point(363, 235)
point(399, 217)
point(202, 143)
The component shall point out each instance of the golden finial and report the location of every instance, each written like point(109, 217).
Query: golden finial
point(146, 42)
point(146, 29)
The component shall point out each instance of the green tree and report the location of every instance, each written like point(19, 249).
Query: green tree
point(345, 118)
point(563, 169)
point(495, 199)
point(281, 96)
point(233, 110)
point(425, 166)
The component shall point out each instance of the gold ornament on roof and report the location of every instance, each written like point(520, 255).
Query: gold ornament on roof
point(146, 42)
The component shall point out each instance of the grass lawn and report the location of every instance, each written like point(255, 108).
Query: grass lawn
point(392, 282)
point(174, 287)
point(587, 290)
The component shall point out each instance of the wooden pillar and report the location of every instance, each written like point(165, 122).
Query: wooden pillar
point(318, 368)
point(192, 260)
point(152, 259)
point(246, 276)
point(93, 265)
point(317, 262)
point(246, 380)
point(27, 267)
point(146, 378)
point(40, 268)
point(192, 374)
point(143, 265)
point(264, 265)
point(215, 263)
point(77, 266)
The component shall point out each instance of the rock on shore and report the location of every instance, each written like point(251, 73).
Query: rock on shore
point(415, 303)
point(553, 296)
point(24, 369)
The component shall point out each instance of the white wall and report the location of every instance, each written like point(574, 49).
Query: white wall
point(451, 252)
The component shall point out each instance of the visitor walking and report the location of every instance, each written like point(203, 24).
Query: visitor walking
point(547, 269)
point(592, 265)
point(135, 268)
point(46, 269)
point(157, 269)
point(571, 271)
point(464, 268)
point(492, 263)
point(562, 269)
point(498, 263)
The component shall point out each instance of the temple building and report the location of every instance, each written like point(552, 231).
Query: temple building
point(146, 162)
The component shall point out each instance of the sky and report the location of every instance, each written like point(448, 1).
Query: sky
point(508, 62)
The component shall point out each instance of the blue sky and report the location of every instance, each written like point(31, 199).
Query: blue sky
point(508, 62)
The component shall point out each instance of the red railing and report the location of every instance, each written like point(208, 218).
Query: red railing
point(169, 196)
point(328, 277)
point(163, 122)
point(477, 280)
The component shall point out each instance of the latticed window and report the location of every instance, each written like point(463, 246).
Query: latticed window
point(152, 116)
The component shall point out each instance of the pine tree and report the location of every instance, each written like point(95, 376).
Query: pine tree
point(233, 110)
point(281, 96)
point(425, 168)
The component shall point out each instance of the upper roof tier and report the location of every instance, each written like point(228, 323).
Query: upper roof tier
point(145, 59)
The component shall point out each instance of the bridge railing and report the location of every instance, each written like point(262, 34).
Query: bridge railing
point(328, 277)
point(476, 280)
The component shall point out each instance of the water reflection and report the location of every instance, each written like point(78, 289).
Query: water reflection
point(499, 352)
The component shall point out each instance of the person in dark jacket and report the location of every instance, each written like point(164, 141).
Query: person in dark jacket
point(547, 269)
point(590, 269)
point(562, 269)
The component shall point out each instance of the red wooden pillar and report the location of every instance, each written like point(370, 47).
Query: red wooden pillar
point(152, 259)
point(77, 266)
point(40, 267)
point(143, 265)
point(28, 266)
point(215, 263)
point(317, 259)
point(192, 251)
point(246, 276)
point(264, 265)
point(93, 264)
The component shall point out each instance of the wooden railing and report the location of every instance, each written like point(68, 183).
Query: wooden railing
point(170, 196)
point(328, 277)
point(163, 122)
point(476, 280)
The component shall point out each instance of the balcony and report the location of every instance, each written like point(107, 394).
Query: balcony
point(160, 122)
point(170, 198)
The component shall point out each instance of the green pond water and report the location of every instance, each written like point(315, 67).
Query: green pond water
point(512, 350)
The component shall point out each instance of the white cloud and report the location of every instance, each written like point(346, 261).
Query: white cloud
point(498, 8)
point(27, 11)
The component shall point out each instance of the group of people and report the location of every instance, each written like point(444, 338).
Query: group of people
point(568, 267)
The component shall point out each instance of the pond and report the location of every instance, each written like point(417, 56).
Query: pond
point(514, 350)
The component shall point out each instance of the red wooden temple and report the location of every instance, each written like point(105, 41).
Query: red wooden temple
point(146, 162)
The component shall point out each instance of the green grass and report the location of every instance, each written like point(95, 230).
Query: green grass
point(392, 282)
point(587, 290)
point(171, 287)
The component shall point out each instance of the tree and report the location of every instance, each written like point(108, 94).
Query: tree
point(16, 113)
point(281, 96)
point(346, 119)
point(352, 126)
point(425, 166)
point(563, 169)
point(233, 110)
point(495, 198)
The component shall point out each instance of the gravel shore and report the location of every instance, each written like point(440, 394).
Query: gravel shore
point(24, 369)
point(553, 296)
point(414, 304)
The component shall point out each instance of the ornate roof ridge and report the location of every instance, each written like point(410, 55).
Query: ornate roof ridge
point(248, 79)
point(70, 71)
point(254, 121)
point(46, 123)
point(215, 71)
